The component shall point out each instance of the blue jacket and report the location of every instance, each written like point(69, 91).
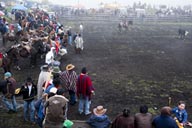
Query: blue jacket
point(164, 122)
point(181, 115)
point(99, 121)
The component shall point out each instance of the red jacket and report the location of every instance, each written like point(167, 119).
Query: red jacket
point(84, 86)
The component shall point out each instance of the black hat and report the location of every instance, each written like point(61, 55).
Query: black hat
point(84, 70)
point(60, 91)
point(29, 79)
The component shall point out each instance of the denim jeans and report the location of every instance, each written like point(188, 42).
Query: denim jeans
point(29, 106)
point(84, 102)
point(70, 40)
point(72, 100)
point(10, 106)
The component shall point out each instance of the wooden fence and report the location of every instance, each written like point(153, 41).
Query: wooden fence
point(113, 18)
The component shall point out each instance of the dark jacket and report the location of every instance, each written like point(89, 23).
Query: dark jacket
point(143, 120)
point(25, 92)
point(12, 85)
point(123, 122)
point(164, 122)
point(99, 121)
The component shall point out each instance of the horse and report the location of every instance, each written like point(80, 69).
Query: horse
point(12, 37)
point(33, 49)
point(13, 54)
point(124, 25)
point(9, 57)
point(182, 33)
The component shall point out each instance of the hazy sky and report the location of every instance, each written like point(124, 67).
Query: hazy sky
point(94, 3)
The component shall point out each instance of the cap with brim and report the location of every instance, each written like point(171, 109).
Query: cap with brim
point(53, 90)
point(70, 67)
point(99, 110)
point(7, 74)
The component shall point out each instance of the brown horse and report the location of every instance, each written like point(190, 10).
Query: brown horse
point(12, 37)
point(11, 56)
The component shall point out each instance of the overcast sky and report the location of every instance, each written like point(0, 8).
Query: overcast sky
point(94, 3)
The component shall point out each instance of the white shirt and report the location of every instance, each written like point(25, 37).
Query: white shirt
point(49, 57)
point(30, 88)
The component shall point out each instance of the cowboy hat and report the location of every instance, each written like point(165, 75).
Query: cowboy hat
point(99, 110)
point(70, 67)
point(17, 91)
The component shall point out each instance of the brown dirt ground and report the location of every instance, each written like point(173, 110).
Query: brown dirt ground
point(146, 65)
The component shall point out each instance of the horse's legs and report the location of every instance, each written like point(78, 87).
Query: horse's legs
point(4, 40)
point(33, 60)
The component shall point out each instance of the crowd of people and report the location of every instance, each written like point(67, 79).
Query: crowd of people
point(46, 103)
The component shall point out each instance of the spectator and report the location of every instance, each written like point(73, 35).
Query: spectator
point(180, 113)
point(9, 93)
point(81, 29)
point(56, 84)
point(56, 110)
point(44, 76)
point(84, 91)
point(69, 79)
point(124, 120)
point(69, 33)
point(39, 106)
point(49, 59)
point(29, 90)
point(143, 119)
point(79, 44)
point(164, 120)
point(99, 119)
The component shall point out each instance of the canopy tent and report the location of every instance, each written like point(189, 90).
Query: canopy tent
point(112, 6)
point(78, 6)
point(19, 7)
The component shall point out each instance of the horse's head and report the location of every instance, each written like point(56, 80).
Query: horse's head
point(40, 46)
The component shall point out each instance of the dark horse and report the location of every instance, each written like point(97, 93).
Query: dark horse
point(13, 54)
point(37, 47)
point(9, 57)
point(182, 33)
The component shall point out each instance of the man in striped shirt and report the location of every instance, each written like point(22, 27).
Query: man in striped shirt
point(69, 79)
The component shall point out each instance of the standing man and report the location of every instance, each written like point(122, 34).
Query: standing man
point(49, 58)
point(84, 91)
point(69, 33)
point(79, 44)
point(69, 79)
point(9, 92)
point(44, 76)
point(29, 91)
point(81, 29)
point(56, 110)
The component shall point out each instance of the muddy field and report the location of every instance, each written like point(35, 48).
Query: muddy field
point(145, 65)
